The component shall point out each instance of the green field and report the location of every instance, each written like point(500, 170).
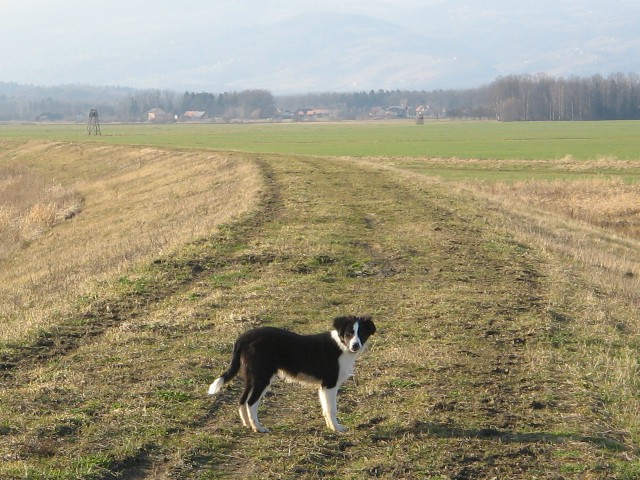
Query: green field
point(434, 139)
point(508, 334)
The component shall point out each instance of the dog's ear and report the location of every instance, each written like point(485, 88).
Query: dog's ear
point(368, 324)
point(339, 323)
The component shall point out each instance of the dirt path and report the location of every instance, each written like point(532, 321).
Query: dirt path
point(464, 379)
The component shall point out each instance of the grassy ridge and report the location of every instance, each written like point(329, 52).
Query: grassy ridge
point(481, 140)
point(135, 203)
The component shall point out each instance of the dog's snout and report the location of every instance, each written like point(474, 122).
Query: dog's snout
point(355, 347)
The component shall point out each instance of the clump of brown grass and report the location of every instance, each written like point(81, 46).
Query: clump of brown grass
point(604, 202)
point(595, 221)
point(30, 206)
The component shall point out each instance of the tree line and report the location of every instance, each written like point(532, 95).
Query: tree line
point(247, 104)
point(542, 97)
point(527, 97)
point(73, 102)
point(537, 97)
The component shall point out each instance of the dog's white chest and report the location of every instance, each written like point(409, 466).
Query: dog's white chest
point(346, 363)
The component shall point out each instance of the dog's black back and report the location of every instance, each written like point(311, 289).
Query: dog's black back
point(267, 350)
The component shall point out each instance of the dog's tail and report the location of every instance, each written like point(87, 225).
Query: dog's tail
point(231, 372)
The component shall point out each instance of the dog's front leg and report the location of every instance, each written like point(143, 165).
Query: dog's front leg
point(329, 403)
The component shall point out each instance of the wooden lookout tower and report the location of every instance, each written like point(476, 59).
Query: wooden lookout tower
point(93, 123)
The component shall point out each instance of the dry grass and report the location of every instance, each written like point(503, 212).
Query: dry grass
point(604, 202)
point(594, 223)
point(137, 203)
point(495, 355)
point(30, 206)
point(588, 230)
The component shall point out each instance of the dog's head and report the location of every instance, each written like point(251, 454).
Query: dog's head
point(354, 331)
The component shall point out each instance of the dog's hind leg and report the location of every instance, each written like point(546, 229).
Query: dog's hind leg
point(244, 415)
point(253, 403)
point(255, 424)
point(329, 403)
point(244, 408)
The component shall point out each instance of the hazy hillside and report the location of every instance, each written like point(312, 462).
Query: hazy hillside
point(433, 45)
point(343, 52)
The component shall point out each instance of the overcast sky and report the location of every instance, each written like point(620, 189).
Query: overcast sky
point(49, 42)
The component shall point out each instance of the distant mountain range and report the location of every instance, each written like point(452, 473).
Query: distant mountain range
point(456, 46)
point(341, 52)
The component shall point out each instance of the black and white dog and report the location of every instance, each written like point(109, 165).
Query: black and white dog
point(324, 360)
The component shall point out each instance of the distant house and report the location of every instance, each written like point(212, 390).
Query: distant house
point(49, 117)
point(377, 112)
point(313, 113)
point(390, 112)
point(399, 112)
point(158, 115)
point(194, 115)
point(285, 114)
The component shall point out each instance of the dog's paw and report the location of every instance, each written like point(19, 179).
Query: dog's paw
point(261, 429)
point(216, 386)
point(339, 428)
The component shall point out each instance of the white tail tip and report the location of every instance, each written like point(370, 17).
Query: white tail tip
point(216, 386)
